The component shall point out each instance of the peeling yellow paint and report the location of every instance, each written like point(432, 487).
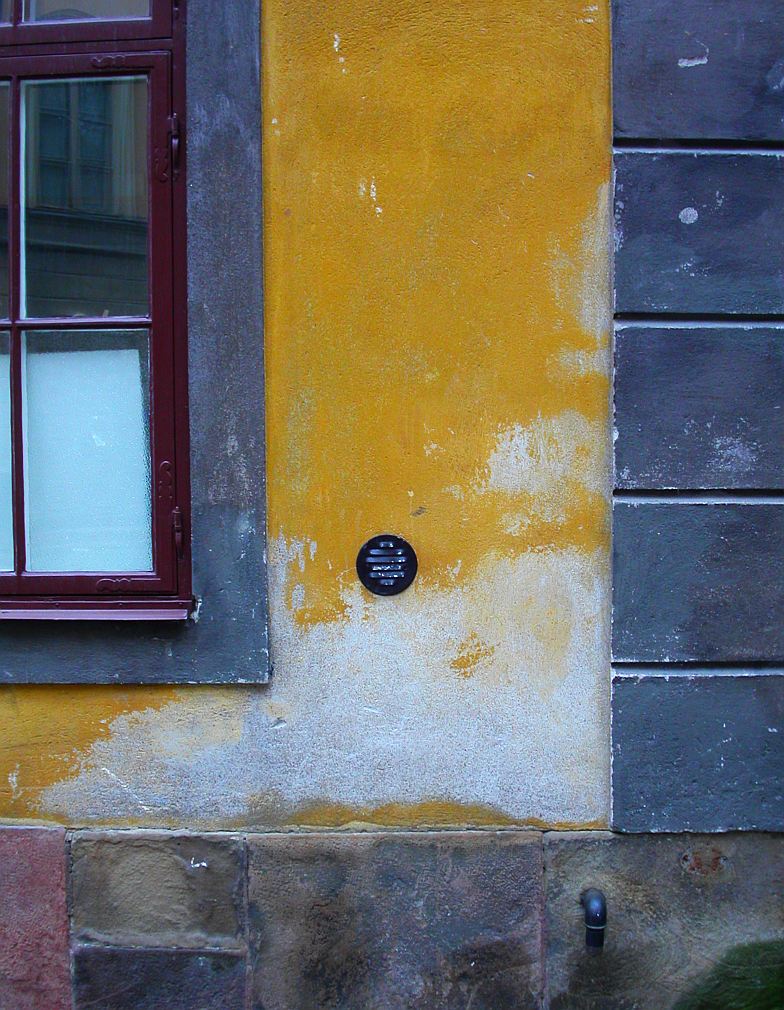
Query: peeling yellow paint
point(47, 730)
point(437, 353)
point(427, 814)
point(419, 336)
point(432, 813)
point(398, 815)
point(470, 655)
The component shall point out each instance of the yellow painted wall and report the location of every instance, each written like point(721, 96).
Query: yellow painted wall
point(437, 349)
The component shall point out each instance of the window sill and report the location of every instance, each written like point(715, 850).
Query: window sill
point(116, 610)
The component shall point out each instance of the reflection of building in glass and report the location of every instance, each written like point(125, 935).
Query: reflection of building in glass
point(85, 192)
point(86, 148)
point(56, 10)
point(85, 197)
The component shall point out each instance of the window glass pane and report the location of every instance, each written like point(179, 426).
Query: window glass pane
point(6, 507)
point(84, 245)
point(84, 10)
point(5, 11)
point(5, 91)
point(87, 451)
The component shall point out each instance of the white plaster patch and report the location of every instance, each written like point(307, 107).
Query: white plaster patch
point(589, 14)
point(363, 192)
point(579, 363)
point(731, 453)
point(582, 285)
point(367, 710)
point(689, 215)
point(618, 235)
point(547, 461)
point(336, 43)
point(687, 62)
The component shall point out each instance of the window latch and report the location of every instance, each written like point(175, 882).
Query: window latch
point(174, 127)
point(177, 529)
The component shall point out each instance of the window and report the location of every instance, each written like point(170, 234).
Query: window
point(209, 76)
point(94, 517)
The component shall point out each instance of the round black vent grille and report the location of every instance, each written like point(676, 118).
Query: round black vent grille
point(386, 565)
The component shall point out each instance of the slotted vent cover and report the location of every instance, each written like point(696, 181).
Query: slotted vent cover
point(386, 565)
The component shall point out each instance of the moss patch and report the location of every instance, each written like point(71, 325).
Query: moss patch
point(749, 977)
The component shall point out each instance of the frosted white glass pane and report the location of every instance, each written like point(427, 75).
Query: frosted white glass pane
point(87, 451)
point(85, 10)
point(85, 197)
point(6, 513)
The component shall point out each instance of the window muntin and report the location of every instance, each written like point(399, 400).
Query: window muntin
point(92, 364)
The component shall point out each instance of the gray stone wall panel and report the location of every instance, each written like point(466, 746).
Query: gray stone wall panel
point(136, 979)
point(699, 69)
point(699, 233)
point(699, 407)
point(698, 753)
point(698, 582)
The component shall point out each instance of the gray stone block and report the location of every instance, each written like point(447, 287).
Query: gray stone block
point(699, 233)
point(132, 979)
point(435, 921)
point(698, 753)
point(676, 905)
point(698, 582)
point(699, 69)
point(699, 407)
point(158, 889)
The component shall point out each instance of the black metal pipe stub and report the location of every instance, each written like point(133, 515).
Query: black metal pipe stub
point(386, 565)
point(595, 905)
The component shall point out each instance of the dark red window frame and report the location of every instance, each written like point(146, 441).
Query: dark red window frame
point(99, 49)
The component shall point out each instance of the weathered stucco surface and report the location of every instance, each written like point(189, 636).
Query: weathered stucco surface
point(437, 353)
